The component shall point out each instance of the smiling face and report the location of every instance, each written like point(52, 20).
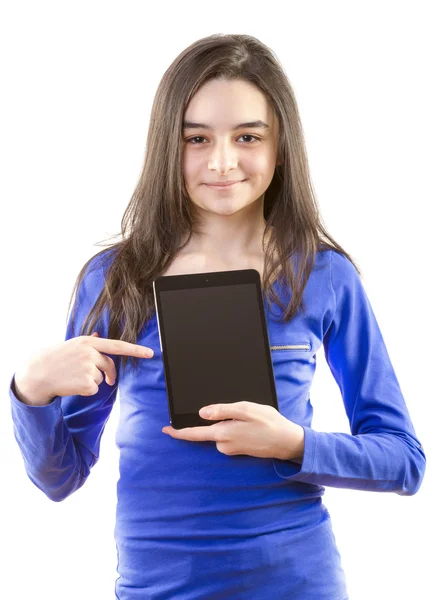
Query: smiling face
point(216, 149)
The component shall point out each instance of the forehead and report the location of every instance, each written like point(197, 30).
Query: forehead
point(226, 105)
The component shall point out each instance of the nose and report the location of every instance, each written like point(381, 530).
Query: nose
point(222, 159)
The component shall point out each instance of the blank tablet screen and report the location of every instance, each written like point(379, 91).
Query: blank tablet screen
point(214, 344)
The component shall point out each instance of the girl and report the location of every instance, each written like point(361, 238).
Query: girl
point(231, 510)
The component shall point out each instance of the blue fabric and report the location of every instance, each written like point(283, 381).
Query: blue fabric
point(193, 523)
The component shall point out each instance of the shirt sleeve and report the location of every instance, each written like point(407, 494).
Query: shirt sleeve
point(60, 441)
point(382, 453)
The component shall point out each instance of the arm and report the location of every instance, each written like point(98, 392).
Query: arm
point(60, 441)
point(383, 453)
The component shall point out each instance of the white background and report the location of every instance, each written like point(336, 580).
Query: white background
point(78, 80)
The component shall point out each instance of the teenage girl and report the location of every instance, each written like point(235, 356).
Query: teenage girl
point(231, 510)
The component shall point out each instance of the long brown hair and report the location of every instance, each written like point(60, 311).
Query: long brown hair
point(160, 214)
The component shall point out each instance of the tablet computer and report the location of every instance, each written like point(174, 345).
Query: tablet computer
point(214, 342)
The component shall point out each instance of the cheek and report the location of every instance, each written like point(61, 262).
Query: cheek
point(258, 164)
point(192, 167)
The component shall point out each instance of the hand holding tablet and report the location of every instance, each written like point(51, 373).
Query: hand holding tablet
point(249, 428)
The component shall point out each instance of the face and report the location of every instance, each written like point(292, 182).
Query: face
point(216, 151)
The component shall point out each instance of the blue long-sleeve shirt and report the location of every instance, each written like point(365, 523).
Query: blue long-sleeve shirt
point(193, 523)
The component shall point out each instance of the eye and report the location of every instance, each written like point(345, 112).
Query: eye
point(200, 137)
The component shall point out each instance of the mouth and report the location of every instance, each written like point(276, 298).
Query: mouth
point(223, 186)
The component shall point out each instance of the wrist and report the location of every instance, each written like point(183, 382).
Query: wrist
point(30, 391)
point(294, 443)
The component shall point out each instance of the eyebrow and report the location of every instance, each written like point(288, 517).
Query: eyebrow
point(251, 124)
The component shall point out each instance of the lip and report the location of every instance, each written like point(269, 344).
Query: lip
point(226, 184)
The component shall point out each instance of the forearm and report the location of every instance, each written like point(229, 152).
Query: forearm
point(52, 460)
point(380, 462)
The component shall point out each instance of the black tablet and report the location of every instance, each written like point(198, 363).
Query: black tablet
point(214, 342)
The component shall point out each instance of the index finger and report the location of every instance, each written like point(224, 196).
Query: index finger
point(203, 433)
point(121, 347)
